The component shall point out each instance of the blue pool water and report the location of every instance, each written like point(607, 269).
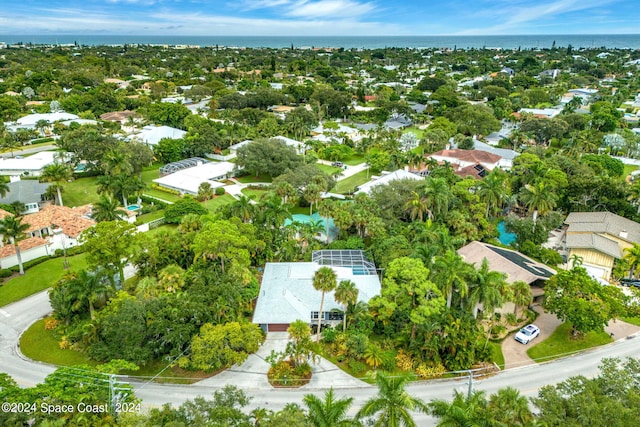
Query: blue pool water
point(505, 237)
point(133, 207)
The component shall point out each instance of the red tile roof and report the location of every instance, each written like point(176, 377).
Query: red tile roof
point(473, 156)
point(71, 220)
point(24, 245)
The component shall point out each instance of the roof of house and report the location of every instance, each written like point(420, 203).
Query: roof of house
point(287, 293)
point(505, 153)
point(32, 119)
point(593, 241)
point(153, 134)
point(603, 223)
point(31, 163)
point(25, 191)
point(476, 171)
point(473, 156)
point(72, 221)
point(117, 116)
point(188, 180)
point(24, 245)
point(516, 265)
point(387, 178)
point(4, 214)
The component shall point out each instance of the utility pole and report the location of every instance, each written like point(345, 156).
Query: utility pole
point(470, 384)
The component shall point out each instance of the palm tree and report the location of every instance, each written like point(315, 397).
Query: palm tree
point(508, 407)
point(274, 212)
point(632, 256)
point(521, 295)
point(493, 190)
point(12, 229)
point(470, 410)
point(105, 209)
point(324, 280)
point(538, 198)
point(57, 173)
point(4, 189)
point(437, 195)
point(393, 404)
point(243, 208)
point(417, 207)
point(330, 412)
point(88, 287)
point(489, 288)
point(117, 162)
point(449, 273)
point(346, 294)
point(285, 190)
point(312, 195)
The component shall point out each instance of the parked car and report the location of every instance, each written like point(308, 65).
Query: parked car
point(630, 282)
point(528, 333)
point(337, 164)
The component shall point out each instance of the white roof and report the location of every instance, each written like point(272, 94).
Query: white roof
point(287, 293)
point(547, 112)
point(290, 142)
point(32, 119)
point(188, 180)
point(386, 179)
point(31, 163)
point(153, 134)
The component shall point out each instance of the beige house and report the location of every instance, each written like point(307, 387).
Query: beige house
point(517, 267)
point(599, 238)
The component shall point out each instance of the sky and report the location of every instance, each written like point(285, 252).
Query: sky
point(318, 17)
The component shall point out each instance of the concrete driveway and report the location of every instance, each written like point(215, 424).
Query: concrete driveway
point(515, 354)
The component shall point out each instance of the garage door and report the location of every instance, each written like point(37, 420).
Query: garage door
point(598, 273)
point(277, 327)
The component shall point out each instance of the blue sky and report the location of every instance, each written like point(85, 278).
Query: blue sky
point(319, 17)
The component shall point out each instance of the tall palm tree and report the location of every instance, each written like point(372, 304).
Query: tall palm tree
point(312, 195)
point(274, 212)
point(437, 195)
point(538, 198)
point(88, 287)
point(521, 295)
point(12, 229)
point(117, 162)
point(417, 207)
point(324, 280)
point(393, 404)
point(243, 208)
point(105, 209)
point(328, 412)
point(509, 408)
point(450, 272)
point(58, 173)
point(285, 190)
point(632, 256)
point(346, 294)
point(493, 190)
point(4, 188)
point(488, 288)
point(470, 410)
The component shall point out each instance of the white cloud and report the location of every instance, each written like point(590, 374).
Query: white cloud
point(330, 8)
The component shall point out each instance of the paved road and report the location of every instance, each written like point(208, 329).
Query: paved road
point(16, 317)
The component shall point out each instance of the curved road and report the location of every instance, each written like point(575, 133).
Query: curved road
point(16, 317)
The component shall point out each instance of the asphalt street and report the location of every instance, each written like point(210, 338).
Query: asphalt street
point(16, 317)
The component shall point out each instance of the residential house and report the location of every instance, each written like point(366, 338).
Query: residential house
point(475, 163)
point(287, 293)
point(118, 116)
point(187, 180)
point(27, 166)
point(598, 239)
point(151, 135)
point(397, 121)
point(386, 178)
point(515, 265)
point(29, 192)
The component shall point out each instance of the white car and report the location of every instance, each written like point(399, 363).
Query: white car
point(528, 333)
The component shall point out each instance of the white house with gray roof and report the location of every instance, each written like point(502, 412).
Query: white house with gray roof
point(287, 293)
point(599, 238)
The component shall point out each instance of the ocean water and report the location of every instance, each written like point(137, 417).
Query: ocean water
point(595, 41)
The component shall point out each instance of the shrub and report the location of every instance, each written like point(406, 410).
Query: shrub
point(357, 367)
point(50, 323)
point(150, 202)
point(329, 335)
point(219, 191)
point(424, 371)
point(404, 361)
point(4, 273)
point(187, 205)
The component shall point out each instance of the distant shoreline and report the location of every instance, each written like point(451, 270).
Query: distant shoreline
point(595, 41)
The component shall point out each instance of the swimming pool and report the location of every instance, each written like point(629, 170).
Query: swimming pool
point(133, 207)
point(505, 237)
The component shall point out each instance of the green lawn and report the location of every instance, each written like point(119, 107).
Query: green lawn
point(628, 169)
point(632, 320)
point(38, 278)
point(415, 130)
point(257, 194)
point(141, 219)
point(248, 179)
point(150, 173)
point(347, 185)
point(329, 170)
point(161, 195)
point(496, 353)
point(354, 159)
point(81, 191)
point(37, 343)
point(218, 201)
point(560, 344)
